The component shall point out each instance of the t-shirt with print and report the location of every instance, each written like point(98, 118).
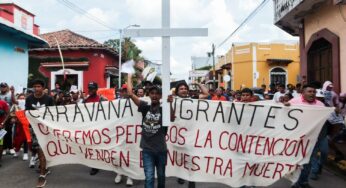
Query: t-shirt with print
point(153, 133)
point(33, 103)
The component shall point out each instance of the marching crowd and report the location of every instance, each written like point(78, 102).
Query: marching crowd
point(147, 97)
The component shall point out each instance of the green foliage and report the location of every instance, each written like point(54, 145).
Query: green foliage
point(129, 49)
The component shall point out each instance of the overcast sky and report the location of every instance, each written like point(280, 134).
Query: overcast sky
point(221, 17)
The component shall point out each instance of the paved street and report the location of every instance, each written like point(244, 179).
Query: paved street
point(15, 173)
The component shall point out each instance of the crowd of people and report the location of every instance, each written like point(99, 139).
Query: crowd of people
point(147, 97)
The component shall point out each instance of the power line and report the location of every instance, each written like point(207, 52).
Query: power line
point(248, 18)
point(83, 12)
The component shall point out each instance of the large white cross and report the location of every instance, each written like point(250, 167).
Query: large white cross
point(166, 32)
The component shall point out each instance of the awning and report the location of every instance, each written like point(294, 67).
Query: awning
point(279, 61)
point(112, 70)
point(227, 66)
point(67, 64)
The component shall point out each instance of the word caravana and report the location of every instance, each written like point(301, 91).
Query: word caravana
point(86, 112)
point(242, 114)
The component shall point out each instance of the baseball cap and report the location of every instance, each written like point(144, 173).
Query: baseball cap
point(3, 84)
point(124, 86)
point(92, 85)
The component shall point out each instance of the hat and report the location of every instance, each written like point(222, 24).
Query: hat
point(3, 84)
point(74, 91)
point(157, 88)
point(93, 85)
point(124, 86)
point(319, 93)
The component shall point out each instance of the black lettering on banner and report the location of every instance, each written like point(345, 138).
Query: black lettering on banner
point(61, 113)
point(254, 112)
point(219, 111)
point(236, 114)
point(270, 116)
point(187, 111)
point(91, 116)
point(117, 112)
point(202, 110)
point(77, 111)
point(127, 105)
point(33, 115)
point(45, 113)
point(295, 119)
point(100, 110)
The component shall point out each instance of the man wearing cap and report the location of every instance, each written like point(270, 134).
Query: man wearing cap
point(93, 97)
point(153, 143)
point(33, 102)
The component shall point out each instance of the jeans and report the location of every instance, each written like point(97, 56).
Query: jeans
point(318, 161)
point(320, 145)
point(152, 160)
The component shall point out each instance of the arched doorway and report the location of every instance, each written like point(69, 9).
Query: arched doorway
point(278, 75)
point(323, 58)
point(320, 61)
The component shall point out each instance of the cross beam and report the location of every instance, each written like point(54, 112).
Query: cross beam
point(166, 32)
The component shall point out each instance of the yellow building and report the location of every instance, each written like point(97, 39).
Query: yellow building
point(254, 64)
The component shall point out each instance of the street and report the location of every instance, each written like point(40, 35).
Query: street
point(15, 173)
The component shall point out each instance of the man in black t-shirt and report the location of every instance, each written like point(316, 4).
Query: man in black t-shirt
point(153, 143)
point(34, 102)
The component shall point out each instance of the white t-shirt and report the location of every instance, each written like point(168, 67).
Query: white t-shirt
point(277, 96)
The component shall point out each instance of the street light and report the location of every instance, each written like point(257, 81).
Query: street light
point(120, 39)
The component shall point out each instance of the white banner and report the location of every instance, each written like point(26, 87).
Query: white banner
point(233, 143)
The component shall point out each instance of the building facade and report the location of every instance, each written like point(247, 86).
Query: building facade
point(253, 64)
point(18, 32)
point(321, 26)
point(85, 60)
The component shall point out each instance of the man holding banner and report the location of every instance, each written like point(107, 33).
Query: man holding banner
point(153, 141)
point(308, 98)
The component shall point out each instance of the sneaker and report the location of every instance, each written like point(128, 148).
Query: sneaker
point(32, 162)
point(4, 152)
point(129, 182)
point(41, 181)
point(16, 154)
point(117, 179)
point(93, 171)
point(12, 152)
point(25, 157)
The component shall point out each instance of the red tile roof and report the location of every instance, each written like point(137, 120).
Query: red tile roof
point(71, 40)
point(67, 38)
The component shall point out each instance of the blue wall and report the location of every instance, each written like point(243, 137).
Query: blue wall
point(13, 65)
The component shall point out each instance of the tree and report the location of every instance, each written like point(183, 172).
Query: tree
point(129, 49)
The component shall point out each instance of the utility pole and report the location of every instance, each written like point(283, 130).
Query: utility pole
point(120, 49)
point(212, 53)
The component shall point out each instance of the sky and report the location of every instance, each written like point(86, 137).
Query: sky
point(221, 17)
